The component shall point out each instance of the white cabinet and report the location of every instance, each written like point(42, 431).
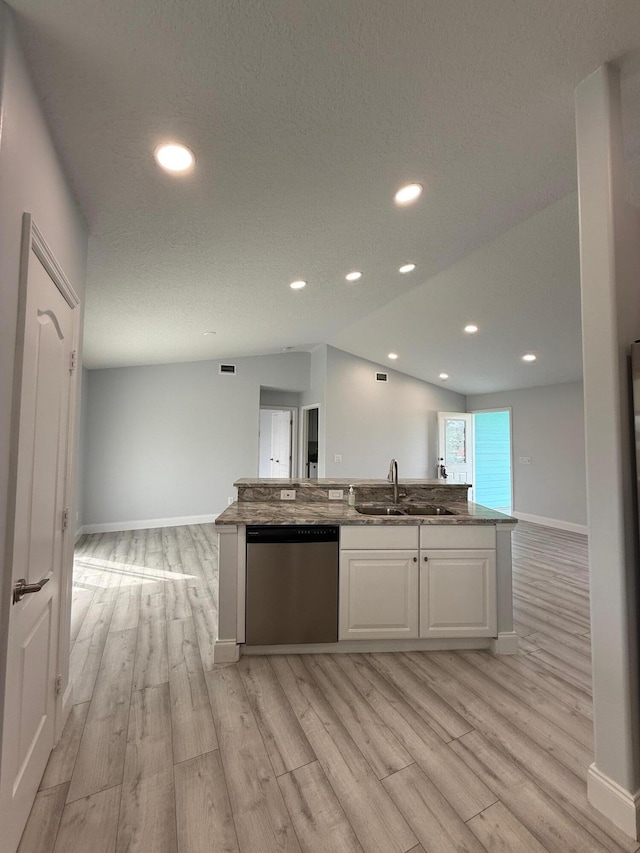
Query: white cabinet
point(425, 581)
point(378, 594)
point(458, 593)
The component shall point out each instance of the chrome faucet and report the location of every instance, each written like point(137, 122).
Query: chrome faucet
point(392, 477)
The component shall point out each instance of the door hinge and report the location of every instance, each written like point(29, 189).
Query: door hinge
point(65, 518)
point(73, 362)
point(58, 685)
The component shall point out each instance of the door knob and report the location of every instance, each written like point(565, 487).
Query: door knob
point(22, 588)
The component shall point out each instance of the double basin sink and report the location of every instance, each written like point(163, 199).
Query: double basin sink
point(404, 510)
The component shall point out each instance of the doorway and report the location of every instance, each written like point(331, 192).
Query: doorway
point(276, 439)
point(492, 469)
point(310, 431)
point(40, 540)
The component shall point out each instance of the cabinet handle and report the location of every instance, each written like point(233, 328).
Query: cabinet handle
point(426, 559)
point(415, 559)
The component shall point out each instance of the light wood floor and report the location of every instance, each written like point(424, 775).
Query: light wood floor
point(441, 751)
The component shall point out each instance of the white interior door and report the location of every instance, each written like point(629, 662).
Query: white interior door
point(455, 446)
point(41, 448)
point(281, 444)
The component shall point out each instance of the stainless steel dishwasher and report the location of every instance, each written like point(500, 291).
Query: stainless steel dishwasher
point(292, 585)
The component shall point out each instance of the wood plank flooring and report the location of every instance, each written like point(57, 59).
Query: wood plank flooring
point(165, 752)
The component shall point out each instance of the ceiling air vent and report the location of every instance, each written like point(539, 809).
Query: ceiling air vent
point(228, 368)
point(382, 377)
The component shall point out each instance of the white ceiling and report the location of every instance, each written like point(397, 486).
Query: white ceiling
point(305, 116)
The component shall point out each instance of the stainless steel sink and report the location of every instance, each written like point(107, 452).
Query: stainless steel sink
point(379, 510)
point(405, 509)
point(425, 509)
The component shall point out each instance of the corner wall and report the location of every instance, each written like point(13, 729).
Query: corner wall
point(548, 426)
point(369, 422)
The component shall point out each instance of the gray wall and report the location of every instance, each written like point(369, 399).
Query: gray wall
point(548, 426)
point(369, 422)
point(317, 394)
point(168, 441)
point(82, 450)
point(32, 180)
point(275, 397)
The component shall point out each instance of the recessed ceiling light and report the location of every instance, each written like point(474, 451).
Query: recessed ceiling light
point(209, 333)
point(405, 268)
point(353, 276)
point(393, 356)
point(174, 158)
point(529, 356)
point(471, 328)
point(444, 376)
point(298, 285)
point(408, 193)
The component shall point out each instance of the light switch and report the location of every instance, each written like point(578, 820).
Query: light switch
point(337, 457)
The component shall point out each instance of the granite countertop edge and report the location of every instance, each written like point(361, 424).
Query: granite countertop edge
point(253, 512)
point(341, 482)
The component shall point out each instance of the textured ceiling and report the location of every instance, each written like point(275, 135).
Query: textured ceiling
point(305, 117)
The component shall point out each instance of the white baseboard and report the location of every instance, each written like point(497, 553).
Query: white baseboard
point(79, 532)
point(226, 651)
point(505, 643)
point(349, 646)
point(146, 524)
point(615, 802)
point(551, 522)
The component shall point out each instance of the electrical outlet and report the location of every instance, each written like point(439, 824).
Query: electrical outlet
point(336, 494)
point(525, 460)
point(287, 494)
point(337, 457)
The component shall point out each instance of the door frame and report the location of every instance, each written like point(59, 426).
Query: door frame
point(303, 438)
point(487, 411)
point(294, 434)
point(33, 241)
point(469, 443)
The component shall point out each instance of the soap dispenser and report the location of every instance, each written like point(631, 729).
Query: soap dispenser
point(352, 496)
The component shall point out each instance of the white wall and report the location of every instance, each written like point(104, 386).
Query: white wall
point(168, 441)
point(548, 426)
point(31, 180)
point(369, 422)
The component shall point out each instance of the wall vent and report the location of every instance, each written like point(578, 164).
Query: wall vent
point(382, 377)
point(227, 368)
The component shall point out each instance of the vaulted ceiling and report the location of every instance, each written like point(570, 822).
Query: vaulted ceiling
point(305, 116)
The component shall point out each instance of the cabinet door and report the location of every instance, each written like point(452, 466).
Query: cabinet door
point(378, 595)
point(458, 593)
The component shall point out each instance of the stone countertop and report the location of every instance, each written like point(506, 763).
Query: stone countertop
point(338, 483)
point(292, 512)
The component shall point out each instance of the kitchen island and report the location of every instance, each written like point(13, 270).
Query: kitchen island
point(406, 581)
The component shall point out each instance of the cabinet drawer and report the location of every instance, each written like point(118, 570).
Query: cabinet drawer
point(457, 536)
point(372, 536)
